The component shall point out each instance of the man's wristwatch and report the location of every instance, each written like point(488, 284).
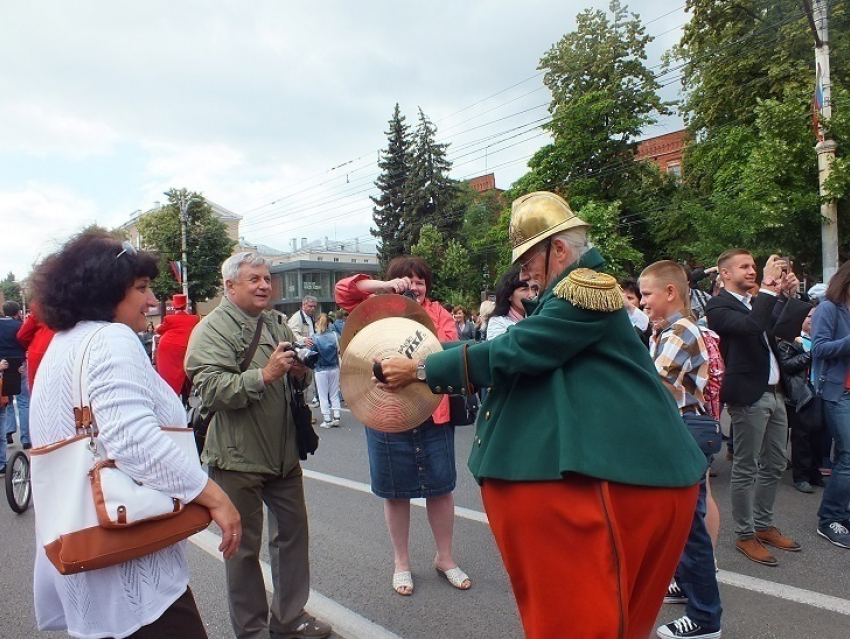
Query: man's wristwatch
point(420, 371)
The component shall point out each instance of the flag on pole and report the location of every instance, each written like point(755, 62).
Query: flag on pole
point(177, 269)
point(817, 104)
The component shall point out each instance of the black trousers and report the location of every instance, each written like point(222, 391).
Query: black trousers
point(805, 448)
point(180, 621)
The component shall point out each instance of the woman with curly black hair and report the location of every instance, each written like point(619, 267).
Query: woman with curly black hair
point(510, 291)
point(95, 292)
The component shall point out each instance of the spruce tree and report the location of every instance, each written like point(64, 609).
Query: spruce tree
point(393, 184)
point(432, 196)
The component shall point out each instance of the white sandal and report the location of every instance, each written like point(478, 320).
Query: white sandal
point(402, 580)
point(456, 577)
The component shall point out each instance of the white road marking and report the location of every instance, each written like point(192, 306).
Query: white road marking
point(464, 513)
point(346, 623)
point(781, 591)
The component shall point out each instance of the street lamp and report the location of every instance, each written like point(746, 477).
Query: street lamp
point(183, 201)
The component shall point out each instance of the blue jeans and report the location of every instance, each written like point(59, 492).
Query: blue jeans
point(10, 422)
point(696, 574)
point(836, 495)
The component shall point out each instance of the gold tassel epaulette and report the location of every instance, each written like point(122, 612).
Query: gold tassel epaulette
point(590, 290)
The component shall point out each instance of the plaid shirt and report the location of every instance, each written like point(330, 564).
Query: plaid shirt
point(681, 359)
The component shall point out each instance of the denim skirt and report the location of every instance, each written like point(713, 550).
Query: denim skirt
point(416, 463)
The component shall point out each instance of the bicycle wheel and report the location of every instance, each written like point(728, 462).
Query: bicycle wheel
point(18, 490)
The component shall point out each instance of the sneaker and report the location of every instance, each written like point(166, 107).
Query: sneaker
point(27, 446)
point(685, 627)
point(674, 594)
point(335, 422)
point(9, 440)
point(314, 403)
point(804, 486)
point(836, 533)
point(326, 424)
point(308, 628)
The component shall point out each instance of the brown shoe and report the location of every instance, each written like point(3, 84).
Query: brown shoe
point(752, 549)
point(772, 537)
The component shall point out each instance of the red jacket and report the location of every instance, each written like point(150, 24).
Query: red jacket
point(35, 337)
point(348, 296)
point(171, 350)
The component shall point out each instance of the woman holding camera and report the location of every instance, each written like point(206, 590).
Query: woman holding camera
point(419, 462)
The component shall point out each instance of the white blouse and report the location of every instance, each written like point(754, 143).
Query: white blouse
point(130, 401)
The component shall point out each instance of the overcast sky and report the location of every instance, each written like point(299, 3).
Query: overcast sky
point(274, 110)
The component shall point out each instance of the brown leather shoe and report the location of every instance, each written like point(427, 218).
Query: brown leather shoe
point(753, 550)
point(772, 537)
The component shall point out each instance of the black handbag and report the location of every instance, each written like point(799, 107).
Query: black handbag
point(463, 409)
point(706, 432)
point(306, 437)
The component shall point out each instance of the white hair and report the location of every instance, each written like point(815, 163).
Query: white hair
point(231, 266)
point(575, 240)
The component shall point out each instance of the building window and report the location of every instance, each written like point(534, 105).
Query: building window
point(316, 283)
point(353, 260)
point(320, 259)
point(366, 261)
point(336, 259)
point(674, 168)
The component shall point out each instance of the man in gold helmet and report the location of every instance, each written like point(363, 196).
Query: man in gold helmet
point(588, 475)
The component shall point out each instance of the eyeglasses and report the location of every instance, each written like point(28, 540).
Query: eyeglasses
point(522, 265)
point(127, 248)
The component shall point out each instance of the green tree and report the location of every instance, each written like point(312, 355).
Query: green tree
point(621, 257)
point(393, 185)
point(751, 172)
point(431, 194)
point(207, 245)
point(11, 289)
point(603, 97)
point(481, 213)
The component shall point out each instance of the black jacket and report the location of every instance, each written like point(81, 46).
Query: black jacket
point(795, 363)
point(746, 339)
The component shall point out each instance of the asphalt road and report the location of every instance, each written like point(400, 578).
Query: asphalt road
point(807, 595)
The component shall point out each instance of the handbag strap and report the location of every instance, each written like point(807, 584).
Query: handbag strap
point(83, 416)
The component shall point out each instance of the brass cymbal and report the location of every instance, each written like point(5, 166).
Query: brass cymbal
point(379, 307)
point(400, 410)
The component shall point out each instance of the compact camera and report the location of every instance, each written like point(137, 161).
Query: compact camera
point(304, 354)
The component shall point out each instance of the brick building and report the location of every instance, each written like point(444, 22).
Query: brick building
point(665, 151)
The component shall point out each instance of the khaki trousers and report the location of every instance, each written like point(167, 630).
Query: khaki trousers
point(288, 551)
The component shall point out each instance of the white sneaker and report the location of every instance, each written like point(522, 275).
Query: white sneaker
point(326, 424)
point(314, 402)
point(335, 422)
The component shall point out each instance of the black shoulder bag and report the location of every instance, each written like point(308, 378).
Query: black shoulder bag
point(201, 423)
point(306, 437)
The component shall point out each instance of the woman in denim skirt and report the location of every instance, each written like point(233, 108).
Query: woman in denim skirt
point(419, 462)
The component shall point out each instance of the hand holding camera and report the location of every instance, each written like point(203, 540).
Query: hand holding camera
point(288, 356)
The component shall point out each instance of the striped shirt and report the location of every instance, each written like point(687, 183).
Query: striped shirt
point(681, 358)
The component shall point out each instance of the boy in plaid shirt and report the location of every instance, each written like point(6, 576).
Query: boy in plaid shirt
point(681, 359)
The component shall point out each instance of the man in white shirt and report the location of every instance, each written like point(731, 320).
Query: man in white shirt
point(302, 324)
point(753, 393)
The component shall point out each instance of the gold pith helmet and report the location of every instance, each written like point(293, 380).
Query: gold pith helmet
point(536, 216)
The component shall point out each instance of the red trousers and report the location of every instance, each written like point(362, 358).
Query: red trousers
point(588, 558)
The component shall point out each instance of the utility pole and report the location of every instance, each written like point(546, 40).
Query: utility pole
point(183, 202)
point(818, 11)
